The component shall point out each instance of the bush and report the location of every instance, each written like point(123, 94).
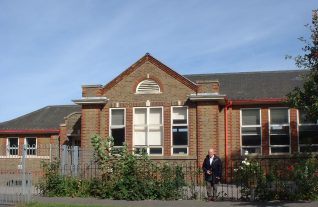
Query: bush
point(134, 177)
point(54, 184)
point(296, 181)
point(124, 176)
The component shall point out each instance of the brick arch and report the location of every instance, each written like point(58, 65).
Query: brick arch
point(151, 77)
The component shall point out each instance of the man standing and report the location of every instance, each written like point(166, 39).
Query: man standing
point(212, 168)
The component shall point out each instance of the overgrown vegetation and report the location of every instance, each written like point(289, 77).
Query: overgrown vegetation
point(297, 180)
point(124, 176)
point(54, 184)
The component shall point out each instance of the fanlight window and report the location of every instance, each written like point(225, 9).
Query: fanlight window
point(148, 86)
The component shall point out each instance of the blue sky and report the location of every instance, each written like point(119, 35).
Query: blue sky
point(48, 49)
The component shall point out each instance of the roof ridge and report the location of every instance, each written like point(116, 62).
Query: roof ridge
point(247, 72)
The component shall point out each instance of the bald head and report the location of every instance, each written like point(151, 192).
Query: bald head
point(211, 152)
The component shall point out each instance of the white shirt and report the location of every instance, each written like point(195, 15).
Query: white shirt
point(211, 159)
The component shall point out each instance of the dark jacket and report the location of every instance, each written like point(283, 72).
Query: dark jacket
point(215, 167)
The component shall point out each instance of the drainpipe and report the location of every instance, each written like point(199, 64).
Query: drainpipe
point(227, 105)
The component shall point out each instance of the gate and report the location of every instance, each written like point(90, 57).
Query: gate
point(70, 160)
point(15, 185)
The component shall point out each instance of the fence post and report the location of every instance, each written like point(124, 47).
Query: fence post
point(63, 159)
point(50, 153)
point(75, 159)
point(24, 169)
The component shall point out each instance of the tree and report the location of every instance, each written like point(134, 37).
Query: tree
point(306, 98)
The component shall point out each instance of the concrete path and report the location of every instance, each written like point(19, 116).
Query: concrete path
point(179, 203)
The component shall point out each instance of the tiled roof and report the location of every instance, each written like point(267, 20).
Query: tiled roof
point(49, 117)
point(254, 85)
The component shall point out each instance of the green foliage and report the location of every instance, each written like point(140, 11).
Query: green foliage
point(54, 184)
point(249, 175)
point(124, 176)
point(305, 175)
point(306, 98)
point(298, 180)
point(128, 176)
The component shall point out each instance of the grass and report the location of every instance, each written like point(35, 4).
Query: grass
point(56, 205)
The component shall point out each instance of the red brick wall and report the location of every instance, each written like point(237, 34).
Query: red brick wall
point(167, 131)
point(293, 130)
point(63, 134)
point(234, 133)
point(192, 110)
point(91, 117)
point(207, 128)
point(129, 127)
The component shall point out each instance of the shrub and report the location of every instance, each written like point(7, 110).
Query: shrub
point(54, 184)
point(124, 176)
point(131, 176)
point(296, 181)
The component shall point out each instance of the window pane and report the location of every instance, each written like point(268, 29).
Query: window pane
point(119, 136)
point(155, 116)
point(279, 140)
point(303, 119)
point(279, 130)
point(251, 150)
point(31, 146)
point(308, 137)
point(180, 151)
point(31, 142)
point(250, 117)
point(13, 146)
point(13, 142)
point(155, 151)
point(309, 149)
point(140, 116)
point(251, 130)
point(140, 150)
point(117, 150)
point(251, 140)
point(179, 115)
point(140, 135)
point(180, 135)
point(13, 151)
point(279, 116)
point(117, 117)
point(155, 136)
point(279, 149)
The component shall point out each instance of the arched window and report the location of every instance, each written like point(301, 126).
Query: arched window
point(148, 86)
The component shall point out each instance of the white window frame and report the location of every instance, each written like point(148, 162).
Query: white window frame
point(298, 126)
point(147, 146)
point(282, 125)
point(8, 147)
point(116, 126)
point(31, 148)
point(172, 125)
point(250, 126)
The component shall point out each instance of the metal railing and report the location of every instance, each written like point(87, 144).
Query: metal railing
point(20, 173)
